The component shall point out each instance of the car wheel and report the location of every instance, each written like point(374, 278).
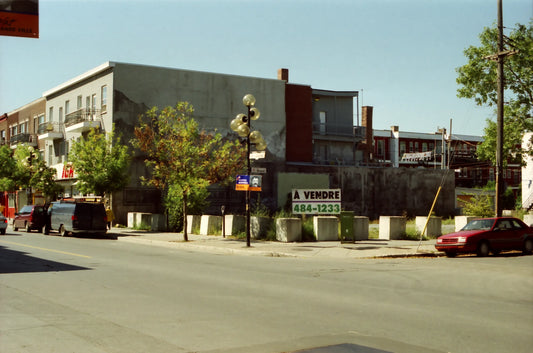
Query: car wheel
point(62, 231)
point(450, 253)
point(528, 246)
point(3, 232)
point(28, 228)
point(483, 249)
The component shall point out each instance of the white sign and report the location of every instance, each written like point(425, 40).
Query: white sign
point(316, 201)
point(257, 154)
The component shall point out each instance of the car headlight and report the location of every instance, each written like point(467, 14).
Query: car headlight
point(461, 239)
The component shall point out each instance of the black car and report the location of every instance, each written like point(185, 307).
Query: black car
point(70, 217)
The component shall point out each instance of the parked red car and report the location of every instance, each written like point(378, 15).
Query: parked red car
point(30, 217)
point(485, 235)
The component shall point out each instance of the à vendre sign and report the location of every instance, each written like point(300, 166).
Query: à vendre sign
point(316, 201)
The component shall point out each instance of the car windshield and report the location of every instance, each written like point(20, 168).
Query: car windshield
point(25, 209)
point(479, 224)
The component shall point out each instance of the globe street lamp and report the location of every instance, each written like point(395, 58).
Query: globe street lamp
point(241, 125)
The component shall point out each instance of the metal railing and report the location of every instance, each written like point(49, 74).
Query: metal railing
point(339, 130)
point(82, 115)
point(48, 127)
point(22, 138)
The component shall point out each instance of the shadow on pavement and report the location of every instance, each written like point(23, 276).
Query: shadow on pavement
point(343, 348)
point(13, 261)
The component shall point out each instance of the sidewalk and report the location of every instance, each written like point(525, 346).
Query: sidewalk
point(372, 248)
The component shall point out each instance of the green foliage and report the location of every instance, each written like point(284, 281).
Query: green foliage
point(480, 205)
point(308, 229)
point(22, 168)
point(478, 81)
point(174, 205)
point(101, 163)
point(183, 158)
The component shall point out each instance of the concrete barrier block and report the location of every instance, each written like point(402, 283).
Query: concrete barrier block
point(528, 219)
point(289, 229)
point(391, 227)
point(158, 222)
point(211, 225)
point(234, 224)
point(193, 223)
point(259, 227)
point(360, 227)
point(131, 219)
point(434, 226)
point(326, 228)
point(461, 221)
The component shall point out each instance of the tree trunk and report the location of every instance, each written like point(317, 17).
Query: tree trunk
point(185, 237)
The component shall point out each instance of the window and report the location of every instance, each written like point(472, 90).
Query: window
point(411, 148)
point(431, 146)
point(416, 146)
point(14, 130)
point(380, 148)
point(402, 148)
point(424, 147)
point(23, 128)
point(67, 107)
point(50, 154)
point(79, 102)
point(87, 102)
point(103, 98)
point(51, 114)
point(322, 126)
point(93, 102)
point(60, 115)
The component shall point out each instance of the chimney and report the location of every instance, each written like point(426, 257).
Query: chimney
point(283, 74)
point(368, 142)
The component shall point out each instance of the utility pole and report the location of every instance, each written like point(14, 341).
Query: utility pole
point(499, 136)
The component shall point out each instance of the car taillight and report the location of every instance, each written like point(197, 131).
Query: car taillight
point(74, 217)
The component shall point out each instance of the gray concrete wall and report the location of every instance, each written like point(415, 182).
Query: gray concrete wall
point(375, 192)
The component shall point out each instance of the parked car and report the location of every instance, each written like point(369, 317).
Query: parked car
point(74, 217)
point(30, 217)
point(485, 235)
point(3, 224)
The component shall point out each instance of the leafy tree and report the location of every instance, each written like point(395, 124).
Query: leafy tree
point(478, 81)
point(7, 168)
point(480, 205)
point(101, 163)
point(183, 159)
point(23, 168)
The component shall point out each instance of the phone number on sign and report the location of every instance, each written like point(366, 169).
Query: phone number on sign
point(332, 208)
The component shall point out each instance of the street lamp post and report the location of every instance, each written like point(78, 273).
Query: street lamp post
point(241, 125)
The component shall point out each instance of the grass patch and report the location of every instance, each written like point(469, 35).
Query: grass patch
point(142, 226)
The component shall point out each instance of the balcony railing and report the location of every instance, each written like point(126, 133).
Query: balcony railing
point(339, 130)
point(23, 138)
point(82, 115)
point(48, 127)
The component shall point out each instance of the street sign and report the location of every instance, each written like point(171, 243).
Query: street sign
point(248, 182)
point(257, 154)
point(316, 201)
point(257, 170)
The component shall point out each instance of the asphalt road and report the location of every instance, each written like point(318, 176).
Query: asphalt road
point(95, 295)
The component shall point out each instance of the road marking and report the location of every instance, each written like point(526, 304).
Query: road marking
point(45, 249)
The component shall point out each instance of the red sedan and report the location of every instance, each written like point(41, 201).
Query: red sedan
point(485, 235)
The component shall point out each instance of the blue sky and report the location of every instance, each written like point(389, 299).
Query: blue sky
point(402, 54)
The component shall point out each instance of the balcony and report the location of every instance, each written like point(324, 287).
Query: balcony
point(335, 132)
point(50, 131)
point(29, 139)
point(83, 120)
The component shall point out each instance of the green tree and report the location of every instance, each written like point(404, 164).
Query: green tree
point(184, 160)
point(480, 205)
point(7, 168)
point(23, 168)
point(478, 81)
point(101, 163)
